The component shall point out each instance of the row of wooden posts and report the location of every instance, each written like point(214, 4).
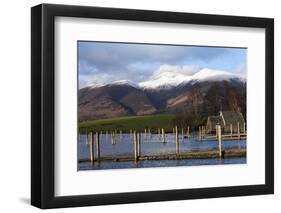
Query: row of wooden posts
point(90, 141)
point(202, 133)
point(137, 142)
point(147, 132)
point(136, 138)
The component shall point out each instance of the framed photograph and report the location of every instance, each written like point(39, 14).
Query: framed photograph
point(139, 106)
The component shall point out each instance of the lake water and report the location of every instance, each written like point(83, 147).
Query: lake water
point(152, 144)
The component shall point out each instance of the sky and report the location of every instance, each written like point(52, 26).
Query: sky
point(105, 62)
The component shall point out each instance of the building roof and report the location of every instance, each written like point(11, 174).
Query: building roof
point(214, 120)
point(232, 117)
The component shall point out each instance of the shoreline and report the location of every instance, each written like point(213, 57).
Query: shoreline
point(227, 153)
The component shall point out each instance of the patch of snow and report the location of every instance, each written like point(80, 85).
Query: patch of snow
point(212, 75)
point(96, 85)
point(169, 79)
point(124, 82)
point(165, 80)
point(168, 76)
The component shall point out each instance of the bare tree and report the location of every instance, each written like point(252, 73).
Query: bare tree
point(196, 97)
point(233, 100)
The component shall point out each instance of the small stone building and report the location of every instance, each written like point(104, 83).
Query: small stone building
point(227, 120)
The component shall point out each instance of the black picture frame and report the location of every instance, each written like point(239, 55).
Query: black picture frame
point(43, 117)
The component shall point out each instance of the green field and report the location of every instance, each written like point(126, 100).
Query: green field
point(130, 122)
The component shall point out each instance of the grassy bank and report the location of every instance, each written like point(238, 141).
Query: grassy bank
point(130, 122)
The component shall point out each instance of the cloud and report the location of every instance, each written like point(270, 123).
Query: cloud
point(241, 71)
point(103, 62)
point(185, 70)
point(111, 56)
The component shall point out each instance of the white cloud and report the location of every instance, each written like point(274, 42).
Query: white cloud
point(241, 71)
point(186, 70)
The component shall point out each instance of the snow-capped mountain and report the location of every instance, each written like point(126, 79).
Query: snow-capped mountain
point(168, 79)
point(213, 75)
point(165, 91)
point(119, 82)
point(165, 80)
point(124, 82)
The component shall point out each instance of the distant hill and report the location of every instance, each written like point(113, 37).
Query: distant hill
point(206, 92)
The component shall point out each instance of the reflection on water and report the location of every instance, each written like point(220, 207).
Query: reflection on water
point(153, 144)
point(160, 163)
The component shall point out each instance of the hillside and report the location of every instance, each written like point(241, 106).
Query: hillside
point(207, 92)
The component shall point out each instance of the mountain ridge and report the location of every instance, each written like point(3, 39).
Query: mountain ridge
point(168, 79)
point(123, 99)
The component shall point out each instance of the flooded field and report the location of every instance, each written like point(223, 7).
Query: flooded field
point(153, 144)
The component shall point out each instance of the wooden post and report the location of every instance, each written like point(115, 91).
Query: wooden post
point(177, 140)
point(244, 129)
point(219, 139)
point(188, 135)
point(87, 137)
point(238, 130)
point(139, 145)
point(216, 131)
point(135, 145)
point(149, 133)
point(98, 146)
point(145, 133)
point(199, 133)
point(163, 135)
point(230, 130)
point(106, 135)
point(205, 130)
point(91, 148)
point(111, 134)
point(120, 132)
point(182, 134)
point(159, 134)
